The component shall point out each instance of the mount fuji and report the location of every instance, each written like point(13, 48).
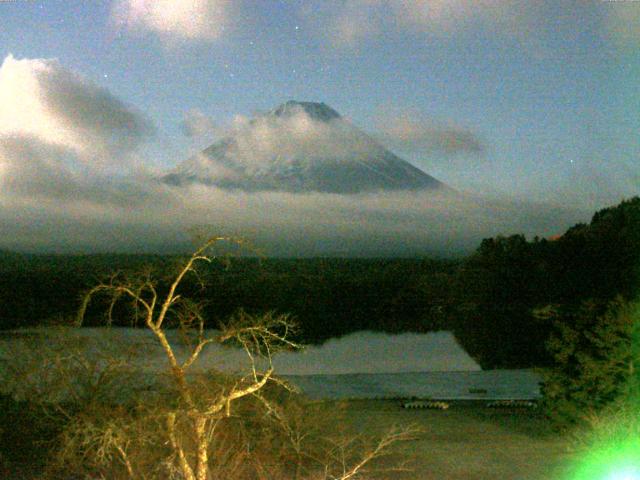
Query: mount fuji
point(300, 147)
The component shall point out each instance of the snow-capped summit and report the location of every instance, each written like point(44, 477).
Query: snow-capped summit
point(300, 147)
point(316, 111)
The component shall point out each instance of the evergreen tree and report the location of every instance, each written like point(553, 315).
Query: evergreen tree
point(595, 353)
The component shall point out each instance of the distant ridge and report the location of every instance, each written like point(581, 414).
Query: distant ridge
point(311, 148)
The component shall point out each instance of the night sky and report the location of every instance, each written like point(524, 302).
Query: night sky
point(528, 109)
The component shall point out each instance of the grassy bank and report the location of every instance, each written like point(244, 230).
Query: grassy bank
point(466, 442)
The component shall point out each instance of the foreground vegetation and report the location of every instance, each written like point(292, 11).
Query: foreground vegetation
point(466, 442)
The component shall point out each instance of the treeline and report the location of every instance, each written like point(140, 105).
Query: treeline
point(488, 299)
point(327, 296)
point(499, 287)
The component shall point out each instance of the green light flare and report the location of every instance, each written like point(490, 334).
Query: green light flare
point(612, 448)
point(616, 461)
point(625, 474)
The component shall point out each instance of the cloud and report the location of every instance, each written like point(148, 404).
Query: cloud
point(91, 112)
point(195, 124)
point(65, 143)
point(35, 168)
point(294, 136)
point(446, 16)
point(41, 99)
point(157, 218)
point(355, 20)
point(269, 142)
point(205, 20)
point(347, 23)
point(422, 136)
point(41, 173)
point(622, 23)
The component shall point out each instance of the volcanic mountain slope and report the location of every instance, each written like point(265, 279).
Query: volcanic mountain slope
point(300, 147)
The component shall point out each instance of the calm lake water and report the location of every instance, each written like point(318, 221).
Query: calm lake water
point(360, 365)
point(486, 384)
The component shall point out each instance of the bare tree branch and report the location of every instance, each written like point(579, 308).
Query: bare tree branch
point(197, 406)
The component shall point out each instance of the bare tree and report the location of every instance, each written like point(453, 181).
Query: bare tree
point(191, 419)
point(258, 337)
